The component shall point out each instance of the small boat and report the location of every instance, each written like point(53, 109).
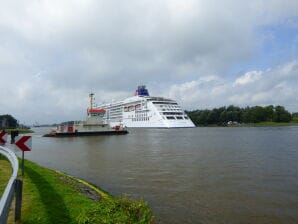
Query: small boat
point(95, 124)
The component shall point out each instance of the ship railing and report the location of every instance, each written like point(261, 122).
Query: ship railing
point(13, 188)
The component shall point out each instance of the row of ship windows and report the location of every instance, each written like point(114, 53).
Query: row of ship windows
point(132, 108)
point(140, 119)
point(141, 115)
point(163, 106)
point(114, 108)
point(138, 116)
point(175, 118)
point(126, 108)
point(170, 103)
point(144, 110)
point(115, 113)
point(171, 113)
point(139, 110)
point(138, 107)
point(114, 117)
point(170, 110)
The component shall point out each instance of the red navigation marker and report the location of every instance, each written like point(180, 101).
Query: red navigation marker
point(24, 143)
point(3, 137)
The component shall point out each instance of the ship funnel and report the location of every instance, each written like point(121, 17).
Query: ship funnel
point(142, 91)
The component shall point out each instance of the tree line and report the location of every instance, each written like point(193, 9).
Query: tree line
point(8, 121)
point(223, 115)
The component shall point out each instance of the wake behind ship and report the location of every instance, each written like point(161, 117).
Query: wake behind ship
point(145, 111)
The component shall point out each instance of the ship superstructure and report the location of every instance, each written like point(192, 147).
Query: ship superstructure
point(145, 111)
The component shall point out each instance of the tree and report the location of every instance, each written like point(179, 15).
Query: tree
point(247, 115)
point(213, 117)
point(202, 119)
point(281, 115)
point(258, 114)
point(8, 121)
point(269, 111)
point(223, 117)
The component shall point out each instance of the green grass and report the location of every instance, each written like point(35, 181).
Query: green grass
point(295, 120)
point(53, 197)
point(121, 210)
point(5, 173)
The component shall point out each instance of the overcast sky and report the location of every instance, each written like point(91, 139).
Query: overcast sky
point(204, 54)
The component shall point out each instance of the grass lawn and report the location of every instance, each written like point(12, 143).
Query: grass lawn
point(53, 197)
point(5, 172)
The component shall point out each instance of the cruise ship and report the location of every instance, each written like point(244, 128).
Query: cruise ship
point(145, 111)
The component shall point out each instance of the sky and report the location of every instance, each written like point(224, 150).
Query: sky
point(203, 54)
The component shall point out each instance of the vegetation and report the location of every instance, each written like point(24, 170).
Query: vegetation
point(19, 130)
point(8, 121)
point(122, 210)
point(256, 114)
point(5, 172)
point(53, 197)
point(295, 117)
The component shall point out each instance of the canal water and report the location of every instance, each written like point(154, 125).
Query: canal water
point(199, 175)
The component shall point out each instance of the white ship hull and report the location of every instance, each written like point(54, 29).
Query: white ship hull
point(158, 124)
point(144, 111)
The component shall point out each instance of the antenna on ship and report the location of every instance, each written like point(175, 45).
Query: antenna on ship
point(91, 96)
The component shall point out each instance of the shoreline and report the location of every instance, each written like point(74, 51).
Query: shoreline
point(261, 124)
point(91, 186)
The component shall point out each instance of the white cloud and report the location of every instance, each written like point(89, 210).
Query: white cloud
point(289, 70)
point(196, 93)
point(249, 77)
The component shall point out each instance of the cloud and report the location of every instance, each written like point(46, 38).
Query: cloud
point(267, 87)
point(249, 77)
point(53, 53)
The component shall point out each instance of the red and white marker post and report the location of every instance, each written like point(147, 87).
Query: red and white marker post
point(24, 143)
point(3, 137)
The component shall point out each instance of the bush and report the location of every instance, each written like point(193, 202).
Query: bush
point(117, 210)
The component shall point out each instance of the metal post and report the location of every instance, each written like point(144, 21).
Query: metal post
point(18, 202)
point(22, 163)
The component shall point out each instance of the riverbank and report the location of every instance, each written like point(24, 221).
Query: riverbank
point(53, 197)
point(271, 124)
point(260, 124)
point(20, 130)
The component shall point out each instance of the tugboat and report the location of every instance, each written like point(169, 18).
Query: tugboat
point(95, 124)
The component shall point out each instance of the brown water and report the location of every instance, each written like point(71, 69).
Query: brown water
point(201, 175)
